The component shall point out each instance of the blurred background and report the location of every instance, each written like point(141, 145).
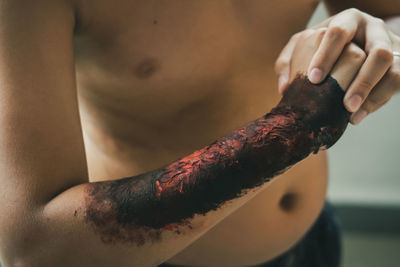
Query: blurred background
point(364, 170)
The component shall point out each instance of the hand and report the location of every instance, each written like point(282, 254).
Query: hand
point(305, 46)
point(320, 106)
point(379, 76)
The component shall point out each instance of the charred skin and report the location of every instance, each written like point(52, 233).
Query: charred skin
point(136, 209)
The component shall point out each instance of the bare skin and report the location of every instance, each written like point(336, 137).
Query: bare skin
point(209, 104)
point(204, 111)
point(155, 81)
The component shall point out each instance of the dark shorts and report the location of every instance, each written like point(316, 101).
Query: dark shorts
point(320, 247)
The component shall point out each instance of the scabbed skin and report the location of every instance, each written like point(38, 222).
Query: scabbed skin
point(137, 209)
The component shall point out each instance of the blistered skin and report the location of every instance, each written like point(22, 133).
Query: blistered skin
point(135, 209)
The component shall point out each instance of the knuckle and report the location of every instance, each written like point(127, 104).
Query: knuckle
point(336, 32)
point(382, 53)
point(355, 52)
point(364, 85)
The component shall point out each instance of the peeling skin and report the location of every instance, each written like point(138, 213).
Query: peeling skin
point(138, 209)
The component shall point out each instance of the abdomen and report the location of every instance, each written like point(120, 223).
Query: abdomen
point(267, 225)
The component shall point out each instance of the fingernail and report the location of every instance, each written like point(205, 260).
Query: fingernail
point(353, 103)
point(315, 75)
point(359, 116)
point(282, 83)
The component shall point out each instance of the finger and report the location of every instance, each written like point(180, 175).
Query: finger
point(348, 64)
point(381, 93)
point(341, 31)
point(306, 46)
point(379, 59)
point(282, 64)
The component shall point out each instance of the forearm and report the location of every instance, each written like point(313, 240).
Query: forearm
point(139, 210)
point(207, 178)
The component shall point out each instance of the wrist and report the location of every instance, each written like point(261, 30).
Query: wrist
point(319, 106)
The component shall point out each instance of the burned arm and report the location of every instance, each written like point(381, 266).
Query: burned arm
point(138, 209)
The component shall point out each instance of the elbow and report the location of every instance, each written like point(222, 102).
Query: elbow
point(32, 234)
point(21, 238)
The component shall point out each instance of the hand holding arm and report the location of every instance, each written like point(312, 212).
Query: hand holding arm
point(378, 78)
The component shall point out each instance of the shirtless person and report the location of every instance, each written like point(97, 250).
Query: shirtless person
point(155, 81)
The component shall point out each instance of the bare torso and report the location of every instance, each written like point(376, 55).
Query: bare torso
point(160, 79)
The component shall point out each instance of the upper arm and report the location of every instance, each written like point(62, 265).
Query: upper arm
point(43, 177)
point(382, 9)
point(41, 144)
point(44, 173)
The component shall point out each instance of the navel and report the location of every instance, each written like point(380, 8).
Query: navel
point(288, 201)
point(146, 68)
